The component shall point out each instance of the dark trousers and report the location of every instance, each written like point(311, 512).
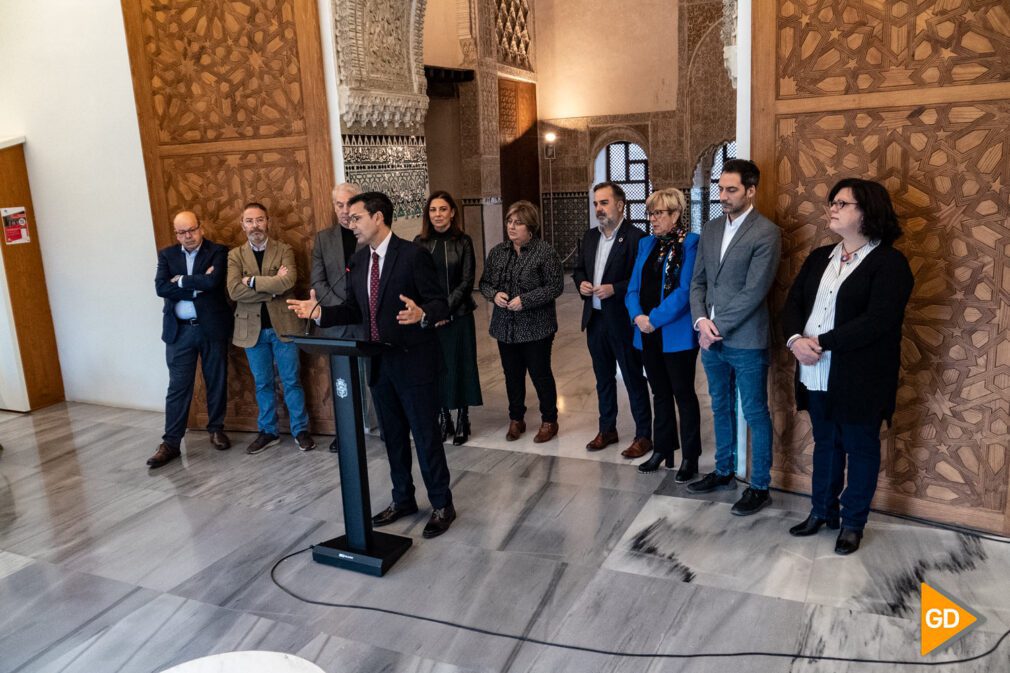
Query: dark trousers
point(406, 410)
point(610, 347)
point(671, 376)
point(836, 444)
point(533, 357)
point(192, 342)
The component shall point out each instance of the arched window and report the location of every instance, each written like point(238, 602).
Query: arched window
point(705, 202)
point(626, 164)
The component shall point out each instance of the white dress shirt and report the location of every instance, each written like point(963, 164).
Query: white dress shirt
point(822, 316)
point(602, 253)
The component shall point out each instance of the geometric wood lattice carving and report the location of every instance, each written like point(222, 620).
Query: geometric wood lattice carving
point(858, 46)
point(222, 71)
point(947, 168)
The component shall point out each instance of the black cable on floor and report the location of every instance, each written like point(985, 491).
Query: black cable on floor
point(614, 653)
point(955, 528)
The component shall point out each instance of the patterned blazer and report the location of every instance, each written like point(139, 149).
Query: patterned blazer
point(536, 277)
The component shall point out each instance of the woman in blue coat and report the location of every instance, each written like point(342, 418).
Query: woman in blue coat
point(659, 305)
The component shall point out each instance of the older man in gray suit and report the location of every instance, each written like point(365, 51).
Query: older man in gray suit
point(738, 257)
point(331, 251)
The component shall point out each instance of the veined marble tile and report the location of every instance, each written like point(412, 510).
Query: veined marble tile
point(165, 544)
point(11, 563)
point(701, 542)
point(46, 609)
point(347, 656)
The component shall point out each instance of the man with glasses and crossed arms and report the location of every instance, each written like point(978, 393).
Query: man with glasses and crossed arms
point(197, 323)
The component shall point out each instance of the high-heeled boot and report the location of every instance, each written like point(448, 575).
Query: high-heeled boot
point(462, 426)
point(445, 423)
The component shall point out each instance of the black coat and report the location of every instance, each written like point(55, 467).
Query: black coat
point(865, 343)
point(620, 264)
point(212, 308)
point(408, 270)
point(457, 277)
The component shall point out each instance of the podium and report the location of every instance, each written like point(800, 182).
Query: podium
point(360, 548)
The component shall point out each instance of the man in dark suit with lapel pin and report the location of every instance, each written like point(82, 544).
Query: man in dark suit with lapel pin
point(197, 323)
point(392, 287)
point(602, 270)
point(738, 257)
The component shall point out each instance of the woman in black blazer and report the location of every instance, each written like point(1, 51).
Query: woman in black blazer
point(842, 321)
point(459, 384)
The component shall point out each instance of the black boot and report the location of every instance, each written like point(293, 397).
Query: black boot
point(462, 427)
point(655, 460)
point(445, 423)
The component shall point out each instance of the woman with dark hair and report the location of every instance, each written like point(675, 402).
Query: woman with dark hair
point(842, 322)
point(659, 304)
point(442, 235)
point(523, 277)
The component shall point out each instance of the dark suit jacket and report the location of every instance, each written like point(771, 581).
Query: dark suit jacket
point(620, 264)
point(408, 270)
point(865, 343)
point(331, 253)
point(212, 307)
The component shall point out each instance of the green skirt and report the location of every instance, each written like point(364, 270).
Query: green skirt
point(459, 383)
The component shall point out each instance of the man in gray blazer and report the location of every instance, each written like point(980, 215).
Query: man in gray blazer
point(738, 257)
point(331, 252)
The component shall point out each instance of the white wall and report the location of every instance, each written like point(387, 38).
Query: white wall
point(441, 34)
point(598, 57)
point(65, 83)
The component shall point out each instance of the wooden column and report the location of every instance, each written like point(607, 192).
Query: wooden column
point(32, 341)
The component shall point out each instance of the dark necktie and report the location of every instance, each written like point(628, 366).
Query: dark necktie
point(373, 296)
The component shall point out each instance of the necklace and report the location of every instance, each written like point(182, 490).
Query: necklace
point(847, 256)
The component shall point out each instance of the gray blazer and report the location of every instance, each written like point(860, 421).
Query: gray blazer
point(329, 269)
point(737, 287)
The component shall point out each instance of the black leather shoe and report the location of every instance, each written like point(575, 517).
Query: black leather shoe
point(751, 502)
point(655, 460)
point(462, 427)
point(811, 526)
point(220, 440)
point(713, 482)
point(335, 445)
point(439, 522)
point(688, 471)
point(848, 541)
point(392, 513)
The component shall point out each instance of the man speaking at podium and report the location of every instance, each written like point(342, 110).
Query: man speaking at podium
point(392, 287)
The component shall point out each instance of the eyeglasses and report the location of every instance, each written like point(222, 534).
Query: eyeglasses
point(656, 214)
point(186, 232)
point(514, 222)
point(840, 205)
point(254, 220)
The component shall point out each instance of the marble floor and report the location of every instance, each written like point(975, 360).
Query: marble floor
point(106, 566)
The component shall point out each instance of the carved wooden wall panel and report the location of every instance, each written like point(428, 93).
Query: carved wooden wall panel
point(232, 108)
point(946, 162)
point(827, 47)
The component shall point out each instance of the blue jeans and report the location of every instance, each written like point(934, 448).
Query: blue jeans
point(746, 369)
point(268, 351)
point(836, 443)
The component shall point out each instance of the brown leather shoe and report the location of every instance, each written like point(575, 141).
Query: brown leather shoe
point(164, 455)
point(546, 432)
point(516, 428)
point(220, 440)
point(602, 441)
point(638, 448)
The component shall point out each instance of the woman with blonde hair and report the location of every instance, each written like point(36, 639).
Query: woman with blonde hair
point(658, 302)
